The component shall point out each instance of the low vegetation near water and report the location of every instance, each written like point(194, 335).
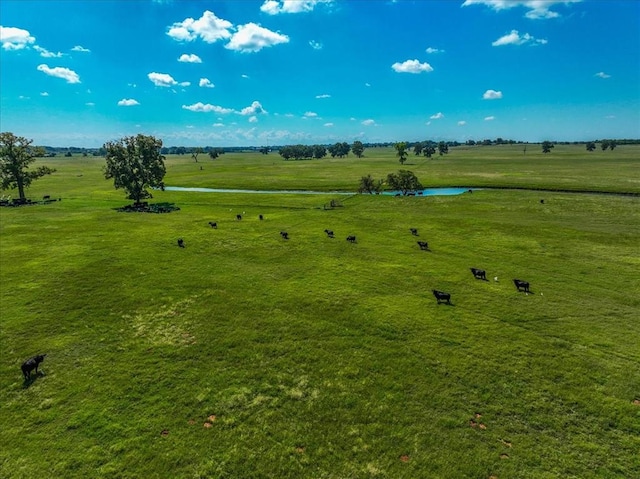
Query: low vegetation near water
point(245, 355)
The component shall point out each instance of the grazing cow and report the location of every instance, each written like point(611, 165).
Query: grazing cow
point(213, 224)
point(238, 217)
point(181, 242)
point(31, 364)
point(351, 239)
point(521, 285)
point(414, 231)
point(424, 246)
point(284, 235)
point(260, 217)
point(442, 296)
point(542, 202)
point(329, 233)
point(479, 273)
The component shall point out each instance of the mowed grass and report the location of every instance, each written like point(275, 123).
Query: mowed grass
point(319, 358)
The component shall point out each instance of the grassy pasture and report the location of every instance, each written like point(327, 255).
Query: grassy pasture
point(320, 358)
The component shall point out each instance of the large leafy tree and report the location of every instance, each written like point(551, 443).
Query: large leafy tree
point(591, 146)
point(401, 151)
point(369, 185)
point(547, 146)
point(135, 163)
point(16, 154)
point(357, 148)
point(443, 148)
point(405, 181)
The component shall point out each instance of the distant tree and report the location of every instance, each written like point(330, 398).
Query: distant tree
point(195, 152)
point(319, 151)
point(604, 144)
point(264, 150)
point(68, 154)
point(357, 148)
point(443, 148)
point(181, 150)
point(591, 146)
point(487, 142)
point(135, 164)
point(401, 151)
point(418, 148)
point(213, 154)
point(429, 149)
point(16, 154)
point(367, 185)
point(547, 146)
point(471, 142)
point(404, 181)
point(612, 144)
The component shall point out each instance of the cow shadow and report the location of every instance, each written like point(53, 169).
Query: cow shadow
point(26, 384)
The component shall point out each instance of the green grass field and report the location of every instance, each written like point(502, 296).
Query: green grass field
point(247, 356)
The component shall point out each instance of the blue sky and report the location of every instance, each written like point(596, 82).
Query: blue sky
point(243, 72)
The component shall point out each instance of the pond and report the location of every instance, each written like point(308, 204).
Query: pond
point(425, 192)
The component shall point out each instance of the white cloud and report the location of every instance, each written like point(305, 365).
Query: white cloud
point(368, 122)
point(367, 84)
point(185, 83)
point(46, 53)
point(191, 58)
point(462, 123)
point(254, 109)
point(602, 75)
point(610, 117)
point(44, 93)
point(13, 38)
point(323, 96)
point(489, 118)
point(514, 38)
point(90, 103)
point(328, 124)
point(310, 114)
point(208, 27)
point(537, 9)
point(437, 116)
point(244, 76)
point(79, 48)
point(274, 7)
point(60, 72)
point(128, 102)
point(411, 66)
point(492, 95)
point(253, 38)
point(253, 119)
point(206, 108)
point(205, 83)
point(22, 97)
point(315, 45)
point(218, 125)
point(431, 50)
point(162, 79)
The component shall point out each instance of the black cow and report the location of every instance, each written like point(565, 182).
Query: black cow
point(213, 224)
point(351, 239)
point(521, 285)
point(414, 231)
point(424, 246)
point(479, 273)
point(31, 364)
point(284, 235)
point(238, 217)
point(329, 233)
point(181, 242)
point(442, 296)
point(260, 217)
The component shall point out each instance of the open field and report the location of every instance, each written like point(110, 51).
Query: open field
point(320, 358)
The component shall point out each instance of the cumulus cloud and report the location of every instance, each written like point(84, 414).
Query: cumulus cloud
point(218, 125)
point(315, 45)
point(254, 109)
point(79, 48)
point(411, 66)
point(60, 72)
point(128, 102)
point(537, 9)
point(274, 7)
point(162, 79)
point(44, 93)
point(207, 108)
point(323, 96)
point(437, 116)
point(191, 58)
point(253, 119)
point(252, 38)
point(328, 124)
point(367, 84)
point(602, 75)
point(310, 114)
point(431, 50)
point(46, 53)
point(492, 95)
point(514, 38)
point(205, 83)
point(489, 118)
point(13, 38)
point(208, 27)
point(244, 76)
point(462, 123)
point(368, 122)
